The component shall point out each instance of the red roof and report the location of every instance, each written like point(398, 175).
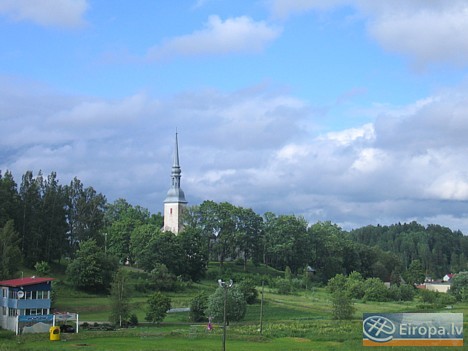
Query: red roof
point(14, 283)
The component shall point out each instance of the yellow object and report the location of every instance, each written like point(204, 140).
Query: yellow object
point(54, 333)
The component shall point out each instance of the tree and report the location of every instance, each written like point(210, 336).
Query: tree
point(286, 242)
point(9, 199)
point(198, 306)
point(343, 307)
point(10, 253)
point(415, 273)
point(30, 218)
point(459, 287)
point(42, 268)
point(91, 270)
point(85, 214)
point(247, 286)
point(119, 299)
point(236, 305)
point(195, 255)
point(158, 305)
point(375, 290)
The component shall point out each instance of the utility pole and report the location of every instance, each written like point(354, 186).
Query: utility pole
point(261, 311)
point(225, 286)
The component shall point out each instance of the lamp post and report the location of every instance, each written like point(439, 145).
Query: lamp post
point(225, 286)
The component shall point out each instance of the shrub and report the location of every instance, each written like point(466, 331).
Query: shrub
point(198, 306)
point(247, 286)
point(283, 286)
point(375, 290)
point(343, 307)
point(235, 304)
point(337, 283)
point(158, 305)
point(133, 320)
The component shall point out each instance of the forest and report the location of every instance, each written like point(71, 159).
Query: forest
point(42, 221)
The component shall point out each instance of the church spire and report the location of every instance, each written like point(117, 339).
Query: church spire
point(175, 202)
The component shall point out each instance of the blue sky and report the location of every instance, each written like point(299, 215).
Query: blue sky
point(353, 111)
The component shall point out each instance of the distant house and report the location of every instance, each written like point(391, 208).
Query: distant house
point(442, 287)
point(448, 277)
point(25, 302)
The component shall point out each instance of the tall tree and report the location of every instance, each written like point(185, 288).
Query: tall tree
point(91, 270)
point(9, 199)
point(85, 214)
point(195, 255)
point(53, 214)
point(287, 242)
point(119, 299)
point(31, 221)
point(10, 254)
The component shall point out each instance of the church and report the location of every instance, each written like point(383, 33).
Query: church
point(175, 202)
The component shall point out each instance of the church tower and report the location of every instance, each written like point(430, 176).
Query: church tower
point(175, 202)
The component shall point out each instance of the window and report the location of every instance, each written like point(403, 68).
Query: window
point(12, 312)
point(4, 311)
point(4, 292)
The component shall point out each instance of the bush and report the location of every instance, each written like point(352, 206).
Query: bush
point(158, 305)
point(235, 304)
point(283, 286)
point(247, 286)
point(133, 320)
point(375, 290)
point(343, 307)
point(337, 283)
point(198, 306)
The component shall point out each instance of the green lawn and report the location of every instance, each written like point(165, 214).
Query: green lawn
point(301, 321)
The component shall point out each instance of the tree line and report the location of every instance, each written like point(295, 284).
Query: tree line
point(44, 221)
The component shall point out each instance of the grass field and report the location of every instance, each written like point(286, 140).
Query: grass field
point(291, 322)
point(301, 321)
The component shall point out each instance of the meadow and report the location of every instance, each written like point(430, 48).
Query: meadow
point(298, 321)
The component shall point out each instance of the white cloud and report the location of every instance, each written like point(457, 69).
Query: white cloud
point(427, 32)
point(54, 13)
point(233, 35)
point(247, 147)
point(285, 8)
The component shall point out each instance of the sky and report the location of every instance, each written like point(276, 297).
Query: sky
point(349, 111)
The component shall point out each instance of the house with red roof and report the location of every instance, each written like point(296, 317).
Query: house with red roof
point(25, 302)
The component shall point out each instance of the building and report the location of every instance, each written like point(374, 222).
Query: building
point(175, 202)
point(25, 302)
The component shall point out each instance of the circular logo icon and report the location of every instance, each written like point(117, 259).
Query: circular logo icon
point(378, 328)
point(20, 294)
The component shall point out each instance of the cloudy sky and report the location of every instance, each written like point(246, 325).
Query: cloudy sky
point(353, 111)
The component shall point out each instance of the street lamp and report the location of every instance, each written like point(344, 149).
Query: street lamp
point(225, 286)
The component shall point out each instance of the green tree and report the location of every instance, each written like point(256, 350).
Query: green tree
point(343, 307)
point(194, 254)
point(198, 306)
point(375, 290)
point(121, 220)
point(158, 305)
point(415, 273)
point(236, 305)
point(354, 285)
point(286, 242)
point(9, 199)
point(91, 270)
point(337, 283)
point(247, 286)
point(120, 299)
point(85, 214)
point(10, 253)
point(30, 218)
point(42, 268)
point(459, 287)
